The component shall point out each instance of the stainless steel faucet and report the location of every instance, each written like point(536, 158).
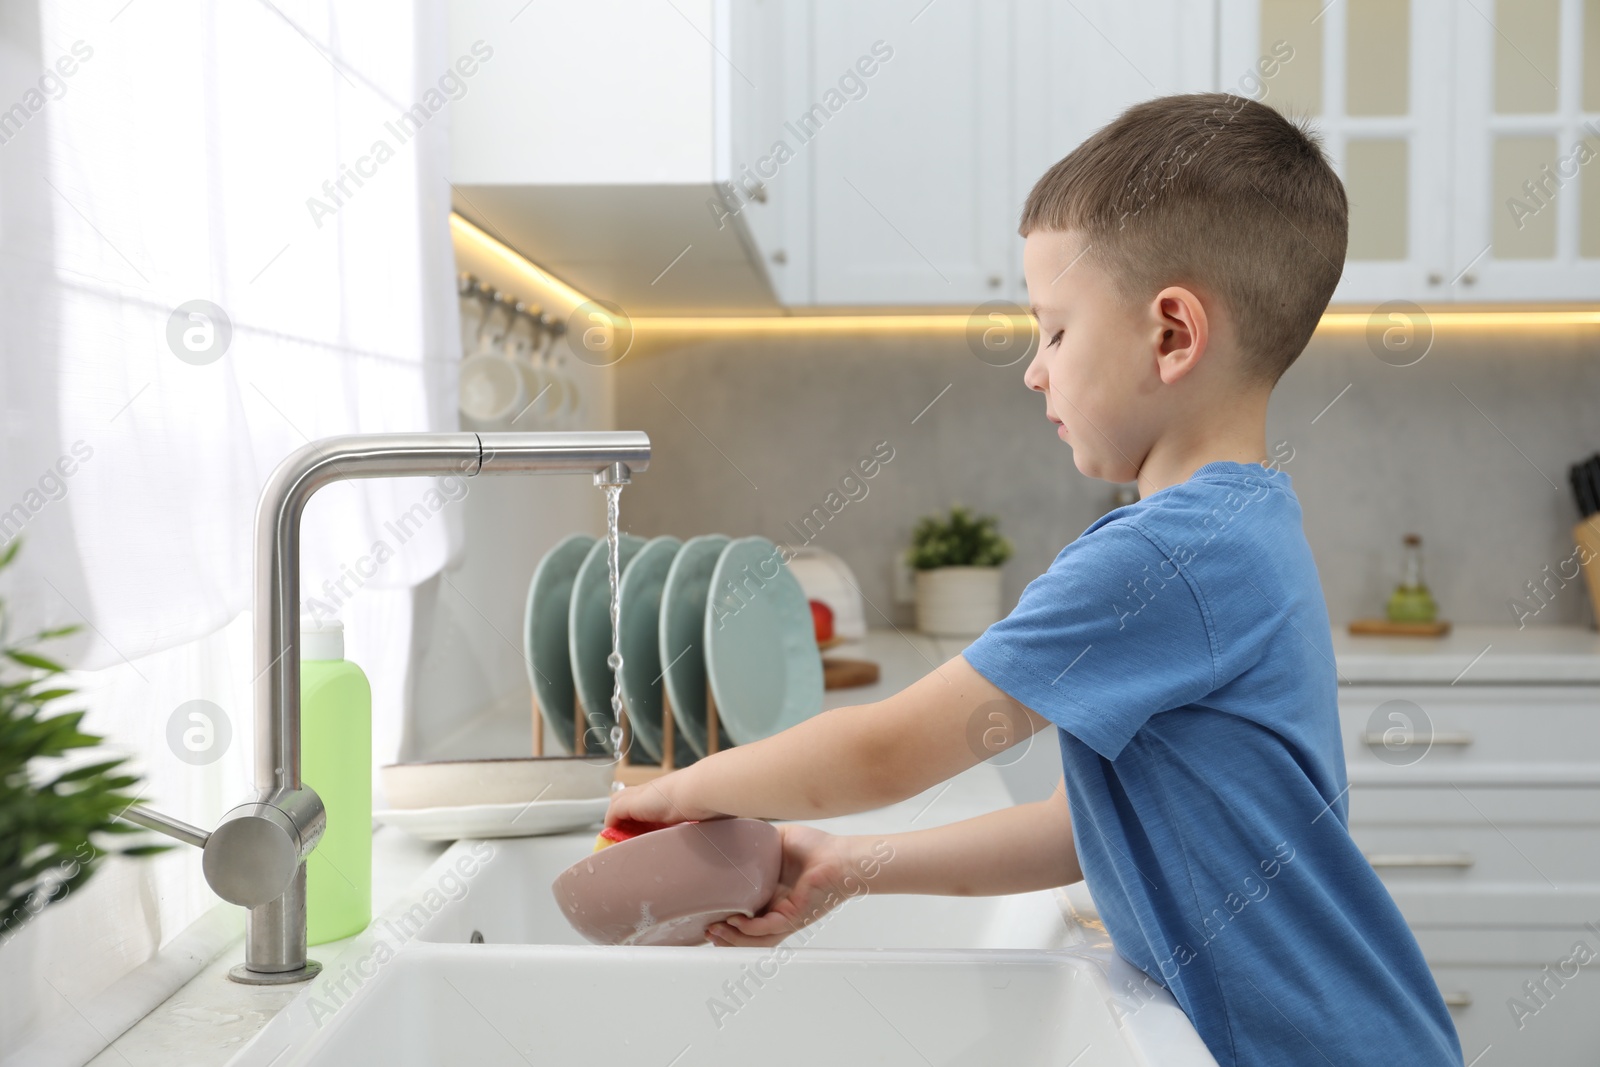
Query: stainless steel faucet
point(256, 856)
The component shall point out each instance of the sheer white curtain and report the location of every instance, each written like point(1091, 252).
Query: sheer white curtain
point(160, 154)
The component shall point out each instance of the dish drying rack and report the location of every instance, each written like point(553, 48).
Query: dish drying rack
point(628, 772)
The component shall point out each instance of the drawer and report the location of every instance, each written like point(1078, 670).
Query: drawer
point(1552, 856)
point(1473, 805)
point(1487, 733)
point(1564, 1032)
point(1483, 856)
point(1481, 973)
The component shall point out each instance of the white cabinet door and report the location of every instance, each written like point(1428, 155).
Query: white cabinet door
point(1372, 76)
point(1080, 65)
point(1528, 206)
point(769, 181)
point(910, 168)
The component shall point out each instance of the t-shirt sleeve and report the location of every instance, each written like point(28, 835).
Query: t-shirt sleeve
point(1110, 635)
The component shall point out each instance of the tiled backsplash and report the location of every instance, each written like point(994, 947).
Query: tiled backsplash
point(1469, 447)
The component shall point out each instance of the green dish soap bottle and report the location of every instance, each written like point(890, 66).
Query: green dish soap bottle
point(336, 761)
point(1411, 601)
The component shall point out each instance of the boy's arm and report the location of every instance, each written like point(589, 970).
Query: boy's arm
point(846, 760)
point(1013, 850)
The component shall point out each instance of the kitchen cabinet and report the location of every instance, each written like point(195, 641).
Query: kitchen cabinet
point(1474, 770)
point(612, 173)
point(818, 153)
point(768, 188)
point(905, 185)
point(910, 181)
point(1441, 119)
point(1527, 209)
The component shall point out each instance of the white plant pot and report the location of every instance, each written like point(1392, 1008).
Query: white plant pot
point(958, 601)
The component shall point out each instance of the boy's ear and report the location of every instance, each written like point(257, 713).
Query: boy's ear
point(1183, 332)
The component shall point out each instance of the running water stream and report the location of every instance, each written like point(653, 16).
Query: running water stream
point(614, 661)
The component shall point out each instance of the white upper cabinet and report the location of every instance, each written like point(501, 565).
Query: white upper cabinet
point(1438, 116)
point(1527, 98)
point(909, 151)
point(919, 170)
point(768, 188)
point(1078, 66)
point(758, 154)
point(1372, 76)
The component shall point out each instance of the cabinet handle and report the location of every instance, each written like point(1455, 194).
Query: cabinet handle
point(1458, 737)
point(1420, 859)
point(1459, 999)
point(994, 281)
point(1434, 277)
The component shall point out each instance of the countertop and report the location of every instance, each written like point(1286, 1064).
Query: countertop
point(1472, 655)
point(1467, 655)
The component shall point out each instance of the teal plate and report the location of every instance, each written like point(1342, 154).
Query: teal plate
point(589, 639)
point(640, 612)
point(761, 645)
point(544, 634)
point(682, 637)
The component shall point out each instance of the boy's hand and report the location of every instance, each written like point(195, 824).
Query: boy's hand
point(665, 800)
point(817, 875)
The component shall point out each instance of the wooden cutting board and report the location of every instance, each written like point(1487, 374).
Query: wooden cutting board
point(838, 673)
point(1383, 627)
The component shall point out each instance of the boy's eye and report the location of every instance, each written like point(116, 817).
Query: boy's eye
point(1057, 338)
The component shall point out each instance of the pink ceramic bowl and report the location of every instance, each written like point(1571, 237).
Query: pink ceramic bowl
point(666, 886)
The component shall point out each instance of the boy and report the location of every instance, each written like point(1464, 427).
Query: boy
point(1178, 261)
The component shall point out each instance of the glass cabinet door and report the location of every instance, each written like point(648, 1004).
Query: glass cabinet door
point(1371, 76)
point(1527, 136)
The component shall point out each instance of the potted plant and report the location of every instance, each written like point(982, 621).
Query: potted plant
point(957, 561)
point(54, 817)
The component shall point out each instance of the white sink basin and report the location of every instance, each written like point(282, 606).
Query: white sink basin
point(653, 1006)
point(890, 979)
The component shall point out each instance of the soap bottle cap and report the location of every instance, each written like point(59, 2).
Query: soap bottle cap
point(321, 638)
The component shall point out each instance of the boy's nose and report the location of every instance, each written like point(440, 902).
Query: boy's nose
point(1035, 377)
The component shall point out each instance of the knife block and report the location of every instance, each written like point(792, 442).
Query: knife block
point(1587, 537)
point(628, 772)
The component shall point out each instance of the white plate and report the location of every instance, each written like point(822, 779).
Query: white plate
point(824, 576)
point(761, 645)
point(497, 820)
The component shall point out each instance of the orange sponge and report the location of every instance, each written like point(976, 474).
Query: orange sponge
point(626, 828)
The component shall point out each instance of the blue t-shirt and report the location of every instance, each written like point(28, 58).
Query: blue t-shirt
point(1181, 646)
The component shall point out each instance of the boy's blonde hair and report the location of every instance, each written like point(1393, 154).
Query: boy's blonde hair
point(1217, 193)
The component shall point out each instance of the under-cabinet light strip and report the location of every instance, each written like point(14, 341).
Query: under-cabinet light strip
point(939, 321)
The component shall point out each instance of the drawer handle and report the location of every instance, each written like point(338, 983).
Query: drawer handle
point(1420, 859)
point(1459, 999)
point(1403, 740)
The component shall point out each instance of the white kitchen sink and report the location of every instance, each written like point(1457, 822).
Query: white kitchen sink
point(491, 1005)
point(1025, 979)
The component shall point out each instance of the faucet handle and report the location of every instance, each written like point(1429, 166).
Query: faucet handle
point(254, 853)
point(176, 829)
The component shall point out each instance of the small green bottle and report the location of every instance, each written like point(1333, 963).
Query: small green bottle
point(336, 761)
point(1411, 600)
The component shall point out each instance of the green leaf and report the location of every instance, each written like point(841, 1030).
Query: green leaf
point(145, 850)
point(88, 771)
point(29, 659)
point(959, 539)
point(47, 826)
